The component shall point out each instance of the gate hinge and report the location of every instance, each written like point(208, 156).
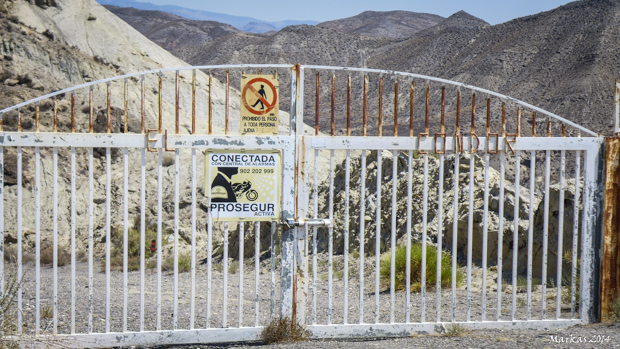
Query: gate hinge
point(290, 223)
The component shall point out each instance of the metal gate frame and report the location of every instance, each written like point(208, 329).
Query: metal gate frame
point(296, 148)
point(425, 143)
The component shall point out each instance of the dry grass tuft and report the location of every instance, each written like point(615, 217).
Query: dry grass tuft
point(455, 330)
point(283, 330)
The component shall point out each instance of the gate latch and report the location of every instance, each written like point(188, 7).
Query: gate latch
point(290, 223)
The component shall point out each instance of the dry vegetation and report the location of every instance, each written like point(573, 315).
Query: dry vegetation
point(282, 330)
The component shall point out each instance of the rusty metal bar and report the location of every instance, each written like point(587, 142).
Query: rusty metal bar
point(194, 101)
point(316, 101)
point(161, 115)
point(473, 113)
point(142, 102)
point(488, 116)
point(56, 113)
point(176, 102)
point(617, 109)
point(396, 108)
point(489, 133)
point(549, 127)
point(90, 112)
point(411, 99)
point(503, 119)
point(349, 105)
point(227, 101)
point(365, 107)
point(210, 105)
point(109, 112)
point(442, 131)
point(518, 122)
point(426, 114)
point(473, 126)
point(381, 106)
point(19, 120)
point(333, 120)
point(610, 270)
point(443, 110)
point(533, 124)
point(563, 130)
point(125, 107)
point(458, 145)
point(37, 118)
point(73, 108)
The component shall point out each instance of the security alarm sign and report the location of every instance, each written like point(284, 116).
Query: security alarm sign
point(259, 104)
point(243, 185)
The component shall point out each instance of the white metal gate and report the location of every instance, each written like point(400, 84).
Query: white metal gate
point(77, 306)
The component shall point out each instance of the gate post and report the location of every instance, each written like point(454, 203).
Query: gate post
point(610, 264)
point(287, 240)
point(300, 280)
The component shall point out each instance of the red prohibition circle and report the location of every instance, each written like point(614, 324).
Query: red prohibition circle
point(244, 94)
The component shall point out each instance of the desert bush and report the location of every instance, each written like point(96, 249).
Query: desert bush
point(185, 263)
point(47, 256)
point(522, 283)
point(10, 255)
point(133, 248)
point(400, 274)
point(281, 330)
point(47, 312)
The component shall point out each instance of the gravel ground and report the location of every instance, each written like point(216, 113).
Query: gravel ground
point(589, 336)
point(607, 335)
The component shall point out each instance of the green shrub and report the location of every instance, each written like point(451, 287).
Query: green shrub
point(133, 248)
point(400, 274)
point(185, 263)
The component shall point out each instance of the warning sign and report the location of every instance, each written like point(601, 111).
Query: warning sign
point(259, 104)
point(243, 185)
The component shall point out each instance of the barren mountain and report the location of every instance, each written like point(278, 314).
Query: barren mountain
point(391, 24)
point(170, 31)
point(459, 20)
point(564, 60)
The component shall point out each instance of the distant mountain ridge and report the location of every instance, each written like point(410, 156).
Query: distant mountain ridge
point(242, 23)
point(389, 24)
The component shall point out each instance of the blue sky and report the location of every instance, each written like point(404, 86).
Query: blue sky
point(492, 11)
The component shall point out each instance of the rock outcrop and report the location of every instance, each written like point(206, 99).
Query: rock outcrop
point(446, 223)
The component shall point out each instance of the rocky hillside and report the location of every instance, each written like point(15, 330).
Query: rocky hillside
point(391, 24)
point(63, 43)
point(448, 216)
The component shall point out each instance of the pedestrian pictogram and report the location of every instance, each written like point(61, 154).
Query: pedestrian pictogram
point(259, 104)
